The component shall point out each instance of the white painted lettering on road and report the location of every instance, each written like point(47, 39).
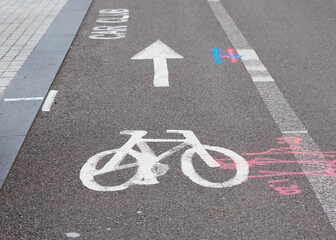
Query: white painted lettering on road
point(107, 32)
point(113, 16)
point(110, 16)
point(159, 52)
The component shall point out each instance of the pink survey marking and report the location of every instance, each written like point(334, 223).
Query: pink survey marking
point(288, 190)
point(228, 164)
point(284, 180)
point(291, 140)
point(295, 142)
point(261, 159)
point(285, 151)
point(231, 55)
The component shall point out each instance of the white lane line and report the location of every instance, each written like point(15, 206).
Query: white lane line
point(23, 99)
point(285, 132)
point(260, 68)
point(49, 100)
point(262, 78)
point(248, 54)
point(282, 113)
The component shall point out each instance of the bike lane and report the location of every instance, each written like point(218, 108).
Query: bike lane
point(102, 91)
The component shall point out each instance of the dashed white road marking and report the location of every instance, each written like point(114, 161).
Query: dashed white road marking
point(249, 54)
point(23, 99)
point(263, 79)
point(256, 68)
point(282, 113)
point(72, 235)
point(284, 132)
point(49, 100)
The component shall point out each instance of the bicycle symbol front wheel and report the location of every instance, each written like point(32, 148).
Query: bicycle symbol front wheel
point(241, 164)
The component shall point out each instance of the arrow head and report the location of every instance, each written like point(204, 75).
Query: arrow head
point(157, 50)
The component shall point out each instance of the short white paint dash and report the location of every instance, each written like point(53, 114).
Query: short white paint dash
point(263, 79)
point(23, 99)
point(49, 101)
point(260, 68)
point(249, 54)
point(294, 132)
point(213, 0)
point(72, 235)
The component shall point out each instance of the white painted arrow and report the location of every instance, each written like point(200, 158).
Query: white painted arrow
point(159, 52)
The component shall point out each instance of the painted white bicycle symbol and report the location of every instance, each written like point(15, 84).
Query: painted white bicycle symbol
point(149, 166)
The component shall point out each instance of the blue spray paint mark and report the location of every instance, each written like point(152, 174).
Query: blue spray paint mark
point(230, 55)
point(216, 51)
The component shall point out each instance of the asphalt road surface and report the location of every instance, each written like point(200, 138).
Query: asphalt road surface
point(248, 88)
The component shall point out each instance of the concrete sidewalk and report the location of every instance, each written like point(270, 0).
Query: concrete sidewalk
point(35, 36)
point(22, 25)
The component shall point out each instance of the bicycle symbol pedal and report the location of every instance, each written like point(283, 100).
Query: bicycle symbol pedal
point(149, 166)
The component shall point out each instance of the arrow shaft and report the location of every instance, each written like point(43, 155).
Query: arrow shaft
point(160, 72)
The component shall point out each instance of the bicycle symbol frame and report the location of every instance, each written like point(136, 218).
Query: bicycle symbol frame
point(149, 166)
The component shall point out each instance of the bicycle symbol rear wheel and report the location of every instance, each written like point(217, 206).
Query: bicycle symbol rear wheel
point(89, 170)
point(242, 168)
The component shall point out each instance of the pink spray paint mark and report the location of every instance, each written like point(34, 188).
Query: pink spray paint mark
point(295, 145)
point(291, 140)
point(228, 164)
point(288, 190)
point(231, 54)
point(284, 180)
point(287, 151)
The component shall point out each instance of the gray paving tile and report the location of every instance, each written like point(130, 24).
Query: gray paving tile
point(26, 23)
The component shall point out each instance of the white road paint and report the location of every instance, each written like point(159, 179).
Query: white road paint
point(108, 32)
point(262, 79)
point(149, 166)
point(282, 113)
point(23, 99)
point(159, 52)
point(110, 17)
point(249, 54)
point(72, 235)
point(256, 68)
point(113, 16)
point(49, 100)
point(285, 132)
